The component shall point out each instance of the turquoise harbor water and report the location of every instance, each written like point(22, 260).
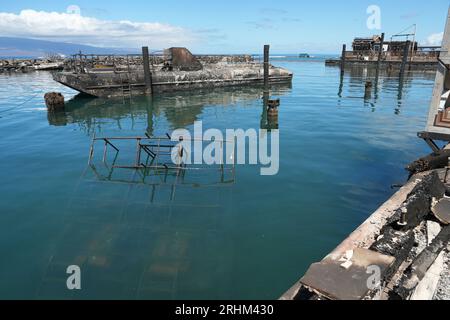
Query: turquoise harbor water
point(252, 239)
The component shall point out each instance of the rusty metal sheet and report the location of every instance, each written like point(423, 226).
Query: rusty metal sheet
point(441, 211)
point(331, 279)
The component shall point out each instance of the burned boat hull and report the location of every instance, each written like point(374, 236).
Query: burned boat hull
point(116, 84)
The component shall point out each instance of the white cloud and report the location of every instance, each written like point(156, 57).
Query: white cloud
point(91, 31)
point(435, 39)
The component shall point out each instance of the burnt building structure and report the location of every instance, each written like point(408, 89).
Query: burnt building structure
point(367, 46)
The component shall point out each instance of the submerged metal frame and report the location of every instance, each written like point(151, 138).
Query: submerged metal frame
point(154, 149)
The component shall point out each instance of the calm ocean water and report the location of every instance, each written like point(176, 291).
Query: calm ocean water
point(340, 152)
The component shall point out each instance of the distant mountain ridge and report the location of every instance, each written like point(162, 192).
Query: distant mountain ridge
point(24, 47)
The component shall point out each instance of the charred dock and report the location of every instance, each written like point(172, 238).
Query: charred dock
point(177, 69)
point(377, 52)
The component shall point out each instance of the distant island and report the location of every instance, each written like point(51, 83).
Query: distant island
point(304, 55)
point(33, 48)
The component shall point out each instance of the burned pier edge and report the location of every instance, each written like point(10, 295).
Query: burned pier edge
point(398, 239)
point(417, 205)
point(383, 234)
point(419, 267)
point(435, 160)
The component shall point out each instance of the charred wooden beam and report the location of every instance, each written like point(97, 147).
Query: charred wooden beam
point(397, 239)
point(436, 160)
point(417, 204)
point(416, 272)
point(397, 244)
point(380, 56)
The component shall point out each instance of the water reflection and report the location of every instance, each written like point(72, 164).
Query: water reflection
point(180, 110)
point(355, 78)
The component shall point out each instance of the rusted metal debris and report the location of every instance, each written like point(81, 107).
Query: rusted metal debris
point(181, 59)
point(150, 160)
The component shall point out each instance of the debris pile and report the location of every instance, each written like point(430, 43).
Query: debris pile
point(27, 65)
point(407, 257)
point(213, 59)
point(179, 69)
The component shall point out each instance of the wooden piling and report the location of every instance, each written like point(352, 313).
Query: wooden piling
point(147, 73)
point(380, 57)
point(54, 101)
point(380, 54)
point(368, 90)
point(405, 58)
point(344, 50)
point(266, 67)
point(266, 86)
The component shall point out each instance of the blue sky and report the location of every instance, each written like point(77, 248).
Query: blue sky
point(229, 26)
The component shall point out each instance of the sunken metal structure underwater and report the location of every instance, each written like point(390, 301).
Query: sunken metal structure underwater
point(174, 70)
